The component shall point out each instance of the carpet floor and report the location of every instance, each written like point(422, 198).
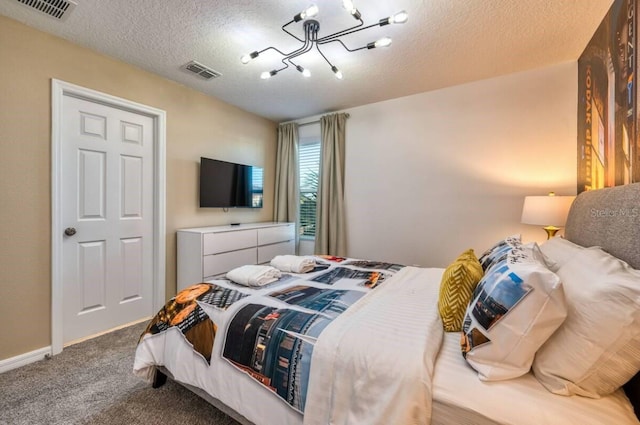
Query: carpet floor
point(92, 383)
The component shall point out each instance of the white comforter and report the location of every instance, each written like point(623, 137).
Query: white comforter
point(374, 364)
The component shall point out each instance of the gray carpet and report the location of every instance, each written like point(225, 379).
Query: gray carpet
point(93, 383)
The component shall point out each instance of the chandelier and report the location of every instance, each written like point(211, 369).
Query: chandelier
point(311, 40)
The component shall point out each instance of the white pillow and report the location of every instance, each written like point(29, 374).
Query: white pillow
point(516, 306)
point(559, 251)
point(597, 349)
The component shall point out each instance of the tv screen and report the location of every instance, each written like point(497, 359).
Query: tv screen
point(230, 185)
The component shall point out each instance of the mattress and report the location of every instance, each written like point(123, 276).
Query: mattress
point(459, 397)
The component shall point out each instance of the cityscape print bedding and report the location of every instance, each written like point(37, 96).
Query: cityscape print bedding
point(269, 332)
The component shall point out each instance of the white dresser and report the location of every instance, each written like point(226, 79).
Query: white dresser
point(205, 252)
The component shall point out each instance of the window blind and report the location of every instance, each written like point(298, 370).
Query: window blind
point(309, 163)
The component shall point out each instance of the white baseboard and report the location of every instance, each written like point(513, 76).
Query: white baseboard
point(24, 359)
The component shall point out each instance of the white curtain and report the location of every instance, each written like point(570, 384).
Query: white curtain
point(287, 196)
point(331, 233)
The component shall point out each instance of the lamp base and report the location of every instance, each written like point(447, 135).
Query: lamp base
point(551, 231)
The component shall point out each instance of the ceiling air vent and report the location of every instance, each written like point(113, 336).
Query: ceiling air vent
point(201, 71)
point(58, 9)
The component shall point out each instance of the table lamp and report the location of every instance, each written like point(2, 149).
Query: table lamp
point(550, 211)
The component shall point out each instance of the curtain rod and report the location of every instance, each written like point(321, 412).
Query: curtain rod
point(317, 121)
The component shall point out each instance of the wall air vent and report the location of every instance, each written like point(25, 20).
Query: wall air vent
point(59, 9)
point(200, 70)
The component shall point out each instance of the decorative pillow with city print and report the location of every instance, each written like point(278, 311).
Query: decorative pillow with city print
point(515, 308)
point(499, 251)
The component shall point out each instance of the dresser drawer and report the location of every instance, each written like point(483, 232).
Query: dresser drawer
point(267, 252)
point(276, 234)
point(213, 243)
point(221, 263)
point(208, 252)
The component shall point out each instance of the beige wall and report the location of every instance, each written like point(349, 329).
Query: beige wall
point(197, 125)
point(430, 175)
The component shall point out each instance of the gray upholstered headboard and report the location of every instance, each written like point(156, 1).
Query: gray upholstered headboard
point(608, 218)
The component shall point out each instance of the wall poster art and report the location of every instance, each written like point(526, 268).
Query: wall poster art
point(608, 140)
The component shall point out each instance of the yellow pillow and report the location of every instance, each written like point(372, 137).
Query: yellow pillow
point(456, 289)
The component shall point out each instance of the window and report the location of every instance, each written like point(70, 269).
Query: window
point(257, 189)
point(309, 163)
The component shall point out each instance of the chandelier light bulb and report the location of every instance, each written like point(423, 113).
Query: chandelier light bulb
point(399, 18)
point(305, 72)
point(268, 74)
point(351, 8)
point(309, 12)
point(383, 42)
point(348, 5)
point(245, 59)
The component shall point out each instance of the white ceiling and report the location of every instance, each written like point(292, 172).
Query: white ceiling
point(444, 43)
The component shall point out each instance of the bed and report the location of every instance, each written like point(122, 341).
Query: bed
point(362, 342)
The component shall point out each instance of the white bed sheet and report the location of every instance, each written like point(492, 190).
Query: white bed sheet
point(459, 397)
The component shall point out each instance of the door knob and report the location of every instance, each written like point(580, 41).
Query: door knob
point(70, 231)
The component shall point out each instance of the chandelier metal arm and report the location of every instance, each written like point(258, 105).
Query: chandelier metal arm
point(345, 32)
point(299, 52)
point(273, 48)
point(322, 54)
point(286, 65)
point(343, 45)
point(292, 35)
point(309, 39)
point(306, 47)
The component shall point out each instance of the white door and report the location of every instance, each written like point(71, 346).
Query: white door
point(106, 189)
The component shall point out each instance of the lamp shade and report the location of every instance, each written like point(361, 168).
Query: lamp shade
point(548, 210)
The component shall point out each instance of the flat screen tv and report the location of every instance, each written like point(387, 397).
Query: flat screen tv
point(230, 185)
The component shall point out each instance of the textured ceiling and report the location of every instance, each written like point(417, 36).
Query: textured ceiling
point(444, 43)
